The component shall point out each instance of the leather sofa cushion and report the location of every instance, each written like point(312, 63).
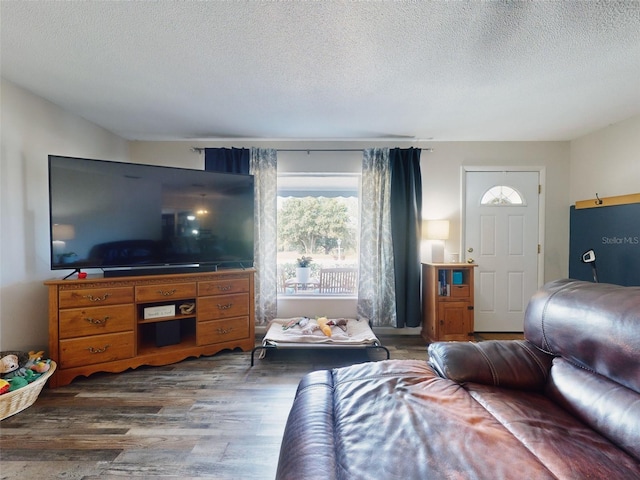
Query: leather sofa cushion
point(396, 420)
point(511, 364)
point(607, 407)
point(591, 325)
point(565, 445)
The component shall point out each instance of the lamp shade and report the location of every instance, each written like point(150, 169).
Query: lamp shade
point(63, 232)
point(436, 229)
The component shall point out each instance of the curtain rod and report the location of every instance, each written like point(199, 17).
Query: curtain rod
point(309, 150)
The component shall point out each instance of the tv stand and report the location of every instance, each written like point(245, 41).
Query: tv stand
point(102, 324)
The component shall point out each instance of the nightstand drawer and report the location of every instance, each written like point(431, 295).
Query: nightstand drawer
point(219, 331)
point(460, 291)
point(165, 291)
point(80, 322)
point(96, 349)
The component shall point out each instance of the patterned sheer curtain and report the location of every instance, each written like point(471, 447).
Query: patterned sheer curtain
point(376, 286)
point(263, 166)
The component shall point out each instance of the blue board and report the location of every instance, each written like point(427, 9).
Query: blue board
point(614, 234)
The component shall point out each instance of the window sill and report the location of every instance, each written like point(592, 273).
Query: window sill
point(316, 296)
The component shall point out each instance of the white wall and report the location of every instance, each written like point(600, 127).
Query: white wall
point(441, 171)
point(606, 162)
point(33, 128)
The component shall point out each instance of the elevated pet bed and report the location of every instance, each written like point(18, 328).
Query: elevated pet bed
point(306, 333)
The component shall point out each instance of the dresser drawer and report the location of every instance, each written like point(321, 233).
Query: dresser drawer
point(92, 297)
point(165, 291)
point(221, 287)
point(96, 349)
point(80, 322)
point(223, 306)
point(219, 331)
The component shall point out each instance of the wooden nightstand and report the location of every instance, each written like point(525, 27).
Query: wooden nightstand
point(447, 301)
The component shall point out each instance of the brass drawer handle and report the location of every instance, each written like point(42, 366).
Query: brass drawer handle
point(166, 293)
point(224, 288)
point(98, 350)
point(224, 331)
point(225, 307)
point(91, 298)
point(97, 321)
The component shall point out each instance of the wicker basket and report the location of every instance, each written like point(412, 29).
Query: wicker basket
point(16, 401)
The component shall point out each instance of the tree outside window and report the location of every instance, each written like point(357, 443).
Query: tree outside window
point(321, 223)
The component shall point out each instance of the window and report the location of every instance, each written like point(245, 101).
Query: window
point(318, 218)
point(501, 195)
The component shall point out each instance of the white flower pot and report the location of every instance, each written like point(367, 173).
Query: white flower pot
point(302, 274)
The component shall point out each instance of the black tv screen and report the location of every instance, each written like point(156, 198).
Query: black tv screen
point(114, 215)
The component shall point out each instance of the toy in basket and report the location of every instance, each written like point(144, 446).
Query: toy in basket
point(22, 377)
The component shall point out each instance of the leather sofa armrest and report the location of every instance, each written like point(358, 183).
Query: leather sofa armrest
point(514, 364)
point(307, 449)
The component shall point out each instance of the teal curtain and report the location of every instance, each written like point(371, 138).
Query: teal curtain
point(406, 221)
point(228, 160)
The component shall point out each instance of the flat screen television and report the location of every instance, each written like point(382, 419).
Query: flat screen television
point(127, 218)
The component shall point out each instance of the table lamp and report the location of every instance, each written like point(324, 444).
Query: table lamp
point(436, 231)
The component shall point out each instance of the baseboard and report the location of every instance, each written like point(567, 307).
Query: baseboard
point(397, 331)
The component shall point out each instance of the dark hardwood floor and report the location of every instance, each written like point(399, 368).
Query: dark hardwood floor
point(213, 417)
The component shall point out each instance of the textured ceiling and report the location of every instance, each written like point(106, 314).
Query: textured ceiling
point(442, 70)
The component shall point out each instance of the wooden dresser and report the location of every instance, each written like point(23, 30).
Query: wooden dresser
point(447, 301)
point(112, 324)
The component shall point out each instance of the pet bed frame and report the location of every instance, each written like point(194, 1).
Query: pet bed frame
point(357, 334)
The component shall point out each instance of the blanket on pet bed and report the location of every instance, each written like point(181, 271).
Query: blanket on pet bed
point(344, 331)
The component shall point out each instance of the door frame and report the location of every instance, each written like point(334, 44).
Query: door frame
point(541, 206)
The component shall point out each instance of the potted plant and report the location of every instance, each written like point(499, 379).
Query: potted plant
point(303, 270)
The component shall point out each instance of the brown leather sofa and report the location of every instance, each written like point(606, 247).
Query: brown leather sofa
point(562, 404)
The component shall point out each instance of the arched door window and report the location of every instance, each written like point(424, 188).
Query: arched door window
point(501, 195)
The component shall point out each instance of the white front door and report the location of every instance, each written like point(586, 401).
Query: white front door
point(501, 237)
